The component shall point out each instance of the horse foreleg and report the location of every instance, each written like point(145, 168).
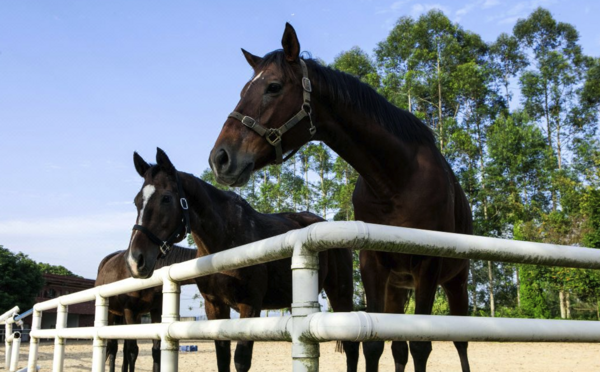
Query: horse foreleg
point(426, 275)
point(338, 286)
point(130, 354)
point(395, 301)
point(243, 351)
point(374, 277)
point(112, 347)
point(223, 348)
point(458, 300)
point(130, 347)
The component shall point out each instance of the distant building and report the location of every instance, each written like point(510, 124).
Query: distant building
point(79, 315)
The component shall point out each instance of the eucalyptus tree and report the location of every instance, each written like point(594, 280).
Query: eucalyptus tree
point(550, 89)
point(552, 95)
point(509, 60)
point(418, 63)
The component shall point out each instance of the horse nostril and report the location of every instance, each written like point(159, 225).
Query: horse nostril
point(221, 159)
point(140, 262)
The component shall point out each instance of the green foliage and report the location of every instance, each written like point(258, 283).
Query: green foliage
point(358, 63)
point(46, 268)
point(591, 208)
point(20, 282)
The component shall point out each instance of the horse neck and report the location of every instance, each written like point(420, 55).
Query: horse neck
point(176, 255)
point(383, 159)
point(214, 215)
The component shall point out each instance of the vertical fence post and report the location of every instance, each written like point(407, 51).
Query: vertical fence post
point(59, 342)
point(14, 359)
point(7, 344)
point(34, 342)
point(169, 348)
point(305, 279)
point(100, 320)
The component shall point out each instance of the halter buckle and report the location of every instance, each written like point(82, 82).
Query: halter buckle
point(273, 137)
point(248, 121)
point(306, 84)
point(164, 248)
point(184, 203)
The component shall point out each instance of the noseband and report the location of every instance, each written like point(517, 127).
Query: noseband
point(273, 135)
point(165, 246)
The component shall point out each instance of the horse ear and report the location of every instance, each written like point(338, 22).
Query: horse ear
point(290, 43)
point(140, 164)
point(251, 58)
point(163, 161)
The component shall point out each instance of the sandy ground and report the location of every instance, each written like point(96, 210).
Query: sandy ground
point(275, 356)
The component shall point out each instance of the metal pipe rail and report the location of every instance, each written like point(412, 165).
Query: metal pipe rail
point(303, 246)
point(351, 326)
point(9, 314)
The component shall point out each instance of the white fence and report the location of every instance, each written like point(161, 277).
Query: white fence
point(306, 327)
point(12, 340)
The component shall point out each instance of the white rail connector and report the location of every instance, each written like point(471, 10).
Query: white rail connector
point(16, 345)
point(59, 342)
point(99, 345)
point(305, 279)
point(8, 331)
point(169, 347)
point(34, 342)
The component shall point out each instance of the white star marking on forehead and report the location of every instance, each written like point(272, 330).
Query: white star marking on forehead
point(253, 80)
point(147, 192)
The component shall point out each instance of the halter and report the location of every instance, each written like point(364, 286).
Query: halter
point(165, 246)
point(273, 135)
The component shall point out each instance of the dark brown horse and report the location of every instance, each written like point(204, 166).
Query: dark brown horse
point(221, 220)
point(404, 179)
point(129, 307)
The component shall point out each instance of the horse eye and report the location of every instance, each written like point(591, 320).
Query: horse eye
point(166, 199)
point(274, 88)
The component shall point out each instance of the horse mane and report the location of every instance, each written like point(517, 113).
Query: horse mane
point(177, 255)
point(345, 90)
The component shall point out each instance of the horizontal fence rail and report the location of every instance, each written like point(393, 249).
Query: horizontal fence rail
point(306, 327)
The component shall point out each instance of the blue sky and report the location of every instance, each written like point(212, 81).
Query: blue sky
point(85, 83)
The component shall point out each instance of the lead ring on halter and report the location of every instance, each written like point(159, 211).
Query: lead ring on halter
point(273, 135)
point(165, 246)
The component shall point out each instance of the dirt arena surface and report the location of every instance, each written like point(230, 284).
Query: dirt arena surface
point(275, 357)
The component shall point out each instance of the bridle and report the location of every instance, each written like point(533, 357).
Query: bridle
point(165, 246)
point(273, 135)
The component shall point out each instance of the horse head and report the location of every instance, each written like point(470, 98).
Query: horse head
point(162, 218)
point(272, 118)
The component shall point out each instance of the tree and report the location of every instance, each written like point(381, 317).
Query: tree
point(20, 282)
point(508, 59)
point(550, 90)
point(46, 268)
point(358, 63)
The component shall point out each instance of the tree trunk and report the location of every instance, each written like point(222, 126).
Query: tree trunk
point(306, 185)
point(561, 300)
point(558, 145)
point(491, 289)
point(440, 102)
point(518, 289)
point(549, 130)
point(568, 305)
point(474, 289)
point(294, 182)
